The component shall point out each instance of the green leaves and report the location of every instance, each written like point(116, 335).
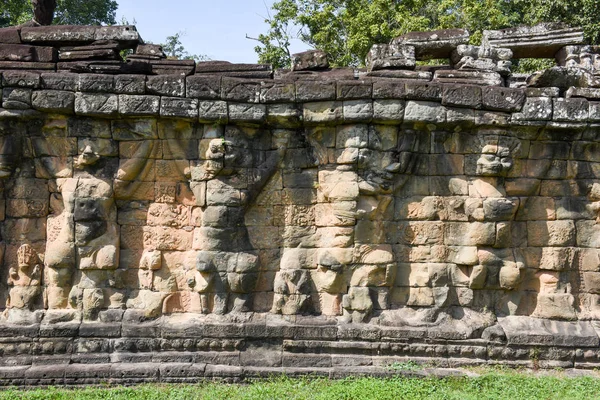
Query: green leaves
point(346, 29)
point(68, 12)
point(174, 49)
point(85, 12)
point(14, 12)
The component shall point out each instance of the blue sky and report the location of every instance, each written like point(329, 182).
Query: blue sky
point(216, 28)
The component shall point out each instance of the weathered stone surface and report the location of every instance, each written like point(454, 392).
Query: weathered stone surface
point(236, 219)
point(53, 101)
point(482, 57)
point(57, 35)
point(503, 99)
point(235, 70)
point(96, 104)
point(310, 60)
point(434, 44)
point(179, 108)
point(59, 81)
point(18, 52)
point(203, 87)
point(468, 77)
point(562, 78)
point(394, 56)
point(137, 105)
point(540, 41)
point(523, 330)
point(10, 35)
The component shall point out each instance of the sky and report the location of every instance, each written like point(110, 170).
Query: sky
point(215, 28)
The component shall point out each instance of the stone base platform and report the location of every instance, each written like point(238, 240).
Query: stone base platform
point(185, 349)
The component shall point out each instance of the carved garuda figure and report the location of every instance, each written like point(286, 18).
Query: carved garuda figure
point(43, 11)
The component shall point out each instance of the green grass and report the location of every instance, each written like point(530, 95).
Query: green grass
point(495, 385)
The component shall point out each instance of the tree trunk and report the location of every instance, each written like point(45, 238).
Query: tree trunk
point(43, 11)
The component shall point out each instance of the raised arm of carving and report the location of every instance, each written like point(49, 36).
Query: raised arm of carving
point(407, 159)
point(265, 171)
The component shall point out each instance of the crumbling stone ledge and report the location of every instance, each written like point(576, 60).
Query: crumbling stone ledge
point(170, 350)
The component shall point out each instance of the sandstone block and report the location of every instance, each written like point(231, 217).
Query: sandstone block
point(323, 113)
point(551, 233)
point(434, 44)
point(130, 84)
point(21, 79)
point(311, 91)
point(53, 101)
point(539, 41)
point(588, 234)
point(213, 111)
point(247, 113)
point(96, 83)
point(469, 234)
point(357, 110)
point(166, 238)
point(503, 99)
point(570, 110)
point(422, 111)
point(388, 111)
point(16, 98)
point(96, 104)
point(462, 96)
point(166, 85)
point(138, 105)
point(277, 92)
point(203, 87)
point(178, 107)
point(390, 89)
point(240, 90)
point(309, 60)
point(394, 56)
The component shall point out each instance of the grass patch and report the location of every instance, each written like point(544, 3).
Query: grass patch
point(495, 385)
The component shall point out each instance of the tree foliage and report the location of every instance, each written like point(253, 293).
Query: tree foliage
point(68, 12)
point(14, 12)
point(174, 49)
point(346, 29)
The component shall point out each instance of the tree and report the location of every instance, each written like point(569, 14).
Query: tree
point(174, 49)
point(14, 12)
point(86, 12)
point(68, 12)
point(346, 29)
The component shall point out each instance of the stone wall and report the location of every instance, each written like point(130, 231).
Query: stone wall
point(225, 224)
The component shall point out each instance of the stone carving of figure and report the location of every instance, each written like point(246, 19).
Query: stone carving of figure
point(83, 237)
point(22, 291)
point(292, 288)
point(10, 153)
point(355, 268)
point(374, 266)
point(43, 11)
point(499, 266)
point(24, 279)
point(230, 176)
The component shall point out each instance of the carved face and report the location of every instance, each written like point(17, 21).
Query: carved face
point(88, 156)
point(9, 155)
point(221, 156)
point(494, 161)
point(329, 278)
